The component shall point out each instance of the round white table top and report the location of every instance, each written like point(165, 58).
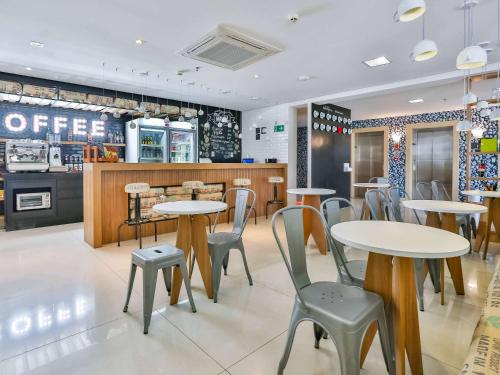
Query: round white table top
point(482, 193)
point(190, 207)
point(400, 239)
point(311, 191)
point(371, 185)
point(444, 206)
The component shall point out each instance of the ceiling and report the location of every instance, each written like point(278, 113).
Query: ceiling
point(328, 43)
point(436, 97)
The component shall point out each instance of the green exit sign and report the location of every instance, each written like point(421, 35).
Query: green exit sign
point(279, 128)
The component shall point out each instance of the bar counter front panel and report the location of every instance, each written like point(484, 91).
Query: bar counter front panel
point(105, 201)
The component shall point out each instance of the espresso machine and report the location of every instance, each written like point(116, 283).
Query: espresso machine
point(55, 153)
point(26, 155)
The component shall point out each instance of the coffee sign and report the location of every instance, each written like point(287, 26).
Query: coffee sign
point(15, 122)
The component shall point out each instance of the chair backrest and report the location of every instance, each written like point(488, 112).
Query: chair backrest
point(240, 208)
point(423, 190)
point(293, 219)
point(377, 203)
point(394, 194)
point(439, 191)
point(331, 211)
point(379, 180)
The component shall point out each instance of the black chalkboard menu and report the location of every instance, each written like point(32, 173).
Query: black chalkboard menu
point(219, 137)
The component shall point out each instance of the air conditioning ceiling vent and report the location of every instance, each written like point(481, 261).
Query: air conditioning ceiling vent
point(229, 49)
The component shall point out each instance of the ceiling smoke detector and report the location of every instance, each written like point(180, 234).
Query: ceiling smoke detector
point(229, 49)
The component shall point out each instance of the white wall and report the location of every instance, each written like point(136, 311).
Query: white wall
point(271, 145)
point(282, 146)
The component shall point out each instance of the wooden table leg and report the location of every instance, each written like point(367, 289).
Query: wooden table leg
point(313, 224)
point(183, 242)
point(378, 279)
point(405, 315)
point(449, 223)
point(200, 247)
point(482, 227)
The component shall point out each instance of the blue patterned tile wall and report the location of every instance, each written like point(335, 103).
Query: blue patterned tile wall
point(398, 124)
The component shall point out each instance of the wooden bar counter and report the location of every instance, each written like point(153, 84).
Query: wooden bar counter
point(105, 201)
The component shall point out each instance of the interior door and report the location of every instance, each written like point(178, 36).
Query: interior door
point(369, 158)
point(433, 157)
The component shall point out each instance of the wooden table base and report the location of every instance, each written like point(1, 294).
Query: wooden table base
point(394, 280)
point(312, 223)
point(448, 222)
point(192, 233)
point(484, 233)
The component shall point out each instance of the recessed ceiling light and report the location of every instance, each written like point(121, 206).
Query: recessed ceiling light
point(28, 68)
point(304, 78)
point(256, 76)
point(255, 98)
point(382, 60)
point(415, 101)
point(225, 91)
point(140, 41)
point(34, 43)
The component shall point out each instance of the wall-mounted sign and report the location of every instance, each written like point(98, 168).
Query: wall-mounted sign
point(278, 128)
point(15, 122)
point(30, 121)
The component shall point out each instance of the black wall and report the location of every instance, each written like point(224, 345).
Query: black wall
point(221, 145)
point(330, 149)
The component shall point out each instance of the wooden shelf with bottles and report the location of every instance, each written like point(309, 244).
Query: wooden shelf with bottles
point(469, 152)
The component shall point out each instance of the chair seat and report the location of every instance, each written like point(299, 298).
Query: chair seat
point(220, 238)
point(340, 302)
point(157, 255)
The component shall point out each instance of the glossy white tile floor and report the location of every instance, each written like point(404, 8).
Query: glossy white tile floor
point(61, 313)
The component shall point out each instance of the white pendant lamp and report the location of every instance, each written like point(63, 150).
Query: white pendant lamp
point(472, 57)
point(482, 104)
point(477, 132)
point(409, 10)
point(116, 114)
point(424, 50)
point(463, 126)
point(495, 114)
point(469, 98)
point(104, 117)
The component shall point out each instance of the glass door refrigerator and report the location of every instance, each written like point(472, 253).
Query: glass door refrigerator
point(147, 141)
point(182, 143)
point(150, 141)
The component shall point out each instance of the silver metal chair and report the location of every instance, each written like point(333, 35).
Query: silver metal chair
point(220, 243)
point(377, 204)
point(351, 272)
point(423, 190)
point(394, 195)
point(152, 260)
point(344, 312)
point(439, 192)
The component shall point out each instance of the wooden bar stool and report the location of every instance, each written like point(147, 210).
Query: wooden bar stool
point(275, 180)
point(243, 183)
point(136, 188)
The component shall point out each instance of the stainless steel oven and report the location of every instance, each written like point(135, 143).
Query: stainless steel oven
point(32, 201)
